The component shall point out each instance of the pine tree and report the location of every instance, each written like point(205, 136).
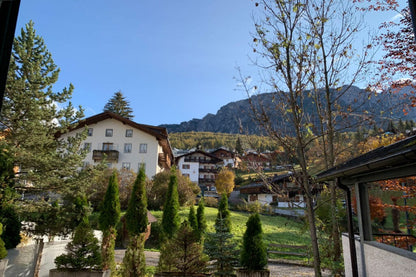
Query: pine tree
point(109, 217)
point(136, 219)
point(32, 119)
point(200, 217)
point(119, 105)
point(253, 254)
point(223, 213)
point(182, 253)
point(193, 221)
point(221, 249)
point(83, 252)
point(238, 146)
point(170, 218)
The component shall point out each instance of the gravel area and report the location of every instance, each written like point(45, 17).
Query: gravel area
point(277, 268)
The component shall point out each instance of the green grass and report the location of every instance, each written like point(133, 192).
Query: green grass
point(276, 229)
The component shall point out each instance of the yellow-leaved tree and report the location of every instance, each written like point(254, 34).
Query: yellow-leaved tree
point(224, 183)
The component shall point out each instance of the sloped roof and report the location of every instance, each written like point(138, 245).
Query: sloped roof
point(214, 158)
point(160, 133)
point(396, 160)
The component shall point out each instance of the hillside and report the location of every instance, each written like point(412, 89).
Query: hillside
point(236, 117)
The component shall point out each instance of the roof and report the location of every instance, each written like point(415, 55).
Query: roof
point(160, 133)
point(213, 158)
point(396, 160)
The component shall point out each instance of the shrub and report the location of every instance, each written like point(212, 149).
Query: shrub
point(11, 226)
point(3, 251)
point(211, 202)
point(200, 218)
point(223, 216)
point(183, 253)
point(170, 218)
point(83, 252)
point(253, 254)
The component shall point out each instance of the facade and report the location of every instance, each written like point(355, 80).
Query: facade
point(124, 143)
point(227, 156)
point(201, 168)
point(255, 161)
point(281, 192)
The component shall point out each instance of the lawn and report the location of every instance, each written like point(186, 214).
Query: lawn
point(277, 229)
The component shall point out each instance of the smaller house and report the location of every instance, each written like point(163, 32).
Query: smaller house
point(201, 168)
point(256, 161)
point(279, 191)
point(229, 157)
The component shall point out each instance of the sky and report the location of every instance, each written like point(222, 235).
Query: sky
point(172, 60)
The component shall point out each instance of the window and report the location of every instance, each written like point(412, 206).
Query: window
point(107, 146)
point(143, 148)
point(129, 133)
point(185, 175)
point(186, 166)
point(126, 166)
point(90, 130)
point(109, 165)
point(87, 146)
point(85, 164)
point(142, 165)
point(108, 132)
point(127, 148)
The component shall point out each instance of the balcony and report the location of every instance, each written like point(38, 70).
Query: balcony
point(206, 180)
point(209, 170)
point(109, 155)
point(198, 159)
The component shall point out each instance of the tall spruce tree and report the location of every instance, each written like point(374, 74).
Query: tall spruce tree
point(222, 250)
point(119, 105)
point(170, 219)
point(223, 213)
point(136, 221)
point(34, 114)
point(109, 217)
point(200, 217)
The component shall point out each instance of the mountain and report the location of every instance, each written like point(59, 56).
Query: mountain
point(356, 104)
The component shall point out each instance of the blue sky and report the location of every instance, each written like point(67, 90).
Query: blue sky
point(172, 60)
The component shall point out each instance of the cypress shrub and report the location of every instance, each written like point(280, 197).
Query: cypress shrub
point(253, 254)
point(193, 222)
point(170, 218)
point(136, 223)
point(109, 217)
point(223, 213)
point(3, 251)
point(200, 217)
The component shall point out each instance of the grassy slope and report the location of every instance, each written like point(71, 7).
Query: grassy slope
point(276, 229)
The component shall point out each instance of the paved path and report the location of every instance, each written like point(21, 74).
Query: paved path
point(276, 269)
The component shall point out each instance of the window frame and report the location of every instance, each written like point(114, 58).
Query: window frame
point(90, 132)
point(143, 148)
point(129, 133)
point(130, 148)
point(109, 133)
point(126, 165)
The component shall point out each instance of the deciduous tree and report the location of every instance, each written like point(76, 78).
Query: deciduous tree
point(224, 182)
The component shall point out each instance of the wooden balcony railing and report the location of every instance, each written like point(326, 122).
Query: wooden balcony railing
point(110, 155)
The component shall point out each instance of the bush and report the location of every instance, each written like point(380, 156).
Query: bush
point(83, 252)
point(3, 251)
point(253, 254)
point(211, 202)
point(11, 226)
point(157, 190)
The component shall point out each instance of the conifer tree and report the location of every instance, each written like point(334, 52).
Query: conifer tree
point(109, 217)
point(223, 213)
point(170, 218)
point(136, 221)
point(31, 116)
point(200, 217)
point(221, 249)
point(3, 251)
point(238, 146)
point(253, 254)
point(83, 252)
point(193, 221)
point(182, 253)
point(119, 105)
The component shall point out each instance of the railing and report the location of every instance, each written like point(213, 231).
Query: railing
point(397, 240)
point(199, 160)
point(110, 155)
point(209, 170)
point(206, 180)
